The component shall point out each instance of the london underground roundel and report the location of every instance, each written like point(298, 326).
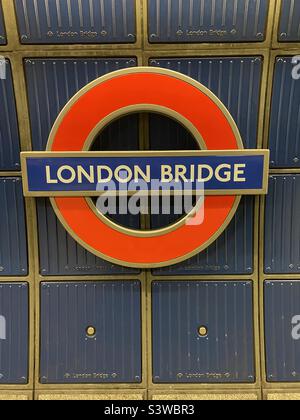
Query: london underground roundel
point(70, 174)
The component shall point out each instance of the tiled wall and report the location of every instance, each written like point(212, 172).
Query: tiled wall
point(214, 320)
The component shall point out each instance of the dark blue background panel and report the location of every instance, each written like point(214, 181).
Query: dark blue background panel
point(13, 241)
point(60, 255)
point(9, 131)
point(182, 21)
point(289, 27)
point(112, 355)
point(232, 253)
point(282, 225)
point(181, 354)
point(285, 115)
point(51, 83)
point(282, 330)
point(76, 21)
point(235, 80)
point(167, 134)
point(2, 27)
point(14, 333)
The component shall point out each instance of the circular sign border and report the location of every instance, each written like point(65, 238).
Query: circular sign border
point(181, 77)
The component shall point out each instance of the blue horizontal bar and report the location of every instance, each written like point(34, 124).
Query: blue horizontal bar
point(137, 172)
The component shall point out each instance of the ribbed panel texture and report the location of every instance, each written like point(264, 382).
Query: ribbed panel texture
point(76, 21)
point(282, 225)
point(207, 20)
point(13, 239)
point(9, 132)
point(285, 116)
point(14, 333)
point(112, 354)
point(282, 330)
point(289, 28)
point(236, 81)
point(225, 354)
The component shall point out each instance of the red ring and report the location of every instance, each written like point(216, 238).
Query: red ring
point(134, 89)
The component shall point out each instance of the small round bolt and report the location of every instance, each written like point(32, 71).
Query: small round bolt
point(91, 331)
point(203, 331)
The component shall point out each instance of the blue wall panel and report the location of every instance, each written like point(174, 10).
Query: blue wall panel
point(178, 21)
point(285, 116)
point(13, 241)
point(9, 132)
point(61, 255)
point(2, 27)
point(225, 354)
point(232, 253)
point(282, 225)
point(235, 80)
point(51, 83)
point(76, 21)
point(113, 354)
point(14, 333)
point(289, 27)
point(282, 330)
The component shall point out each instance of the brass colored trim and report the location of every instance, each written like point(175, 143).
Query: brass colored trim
point(90, 395)
point(211, 394)
point(16, 395)
point(285, 171)
point(12, 174)
point(281, 395)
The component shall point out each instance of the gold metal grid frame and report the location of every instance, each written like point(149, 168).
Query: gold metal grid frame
point(207, 395)
point(280, 395)
point(144, 51)
point(181, 47)
point(16, 395)
point(275, 41)
point(91, 395)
